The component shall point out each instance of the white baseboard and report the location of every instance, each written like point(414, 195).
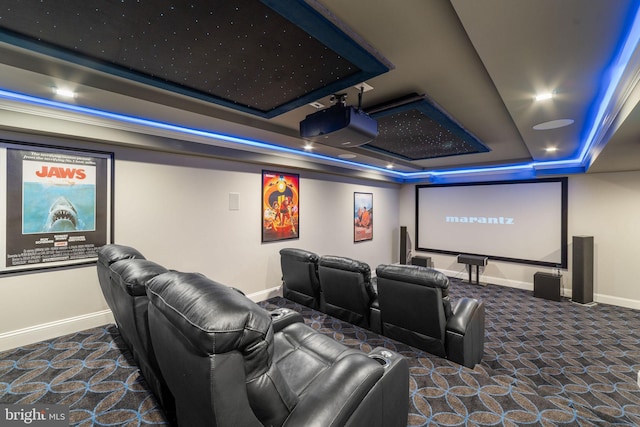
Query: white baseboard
point(565, 292)
point(266, 294)
point(493, 280)
point(617, 301)
point(45, 331)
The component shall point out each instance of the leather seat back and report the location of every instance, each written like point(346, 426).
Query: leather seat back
point(300, 277)
point(129, 278)
point(107, 255)
point(215, 348)
point(413, 305)
point(347, 289)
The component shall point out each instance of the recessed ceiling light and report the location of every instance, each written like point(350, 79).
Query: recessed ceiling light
point(347, 156)
point(551, 149)
point(390, 166)
point(308, 147)
point(544, 96)
point(66, 93)
point(553, 124)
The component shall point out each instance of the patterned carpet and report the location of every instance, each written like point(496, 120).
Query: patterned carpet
point(90, 372)
point(546, 363)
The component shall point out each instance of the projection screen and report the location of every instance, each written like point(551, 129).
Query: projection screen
point(516, 221)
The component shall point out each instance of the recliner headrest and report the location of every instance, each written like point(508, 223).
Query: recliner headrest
point(299, 255)
point(213, 317)
point(348, 264)
point(108, 254)
point(133, 274)
point(413, 274)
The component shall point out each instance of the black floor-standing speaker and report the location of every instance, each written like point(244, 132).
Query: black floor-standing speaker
point(403, 245)
point(582, 270)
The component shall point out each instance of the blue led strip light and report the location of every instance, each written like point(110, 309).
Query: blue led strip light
point(624, 55)
point(42, 102)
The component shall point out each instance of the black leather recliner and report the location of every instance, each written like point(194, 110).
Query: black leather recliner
point(416, 310)
point(300, 277)
point(107, 255)
point(348, 291)
point(127, 276)
point(226, 366)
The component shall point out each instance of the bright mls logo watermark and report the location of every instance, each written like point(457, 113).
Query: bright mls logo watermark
point(34, 415)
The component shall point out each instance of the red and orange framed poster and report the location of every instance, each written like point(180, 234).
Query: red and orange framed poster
point(280, 206)
point(362, 217)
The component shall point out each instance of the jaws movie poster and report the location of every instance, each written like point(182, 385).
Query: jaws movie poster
point(56, 207)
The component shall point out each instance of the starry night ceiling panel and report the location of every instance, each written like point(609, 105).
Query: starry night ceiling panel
point(417, 129)
point(261, 57)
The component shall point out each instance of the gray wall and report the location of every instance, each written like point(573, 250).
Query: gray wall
point(174, 208)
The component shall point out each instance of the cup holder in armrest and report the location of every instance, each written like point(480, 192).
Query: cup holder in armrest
point(282, 317)
point(380, 359)
point(387, 358)
point(280, 312)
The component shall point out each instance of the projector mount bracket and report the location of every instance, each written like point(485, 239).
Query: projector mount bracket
point(341, 98)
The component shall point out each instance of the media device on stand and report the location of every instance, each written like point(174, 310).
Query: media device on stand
point(471, 260)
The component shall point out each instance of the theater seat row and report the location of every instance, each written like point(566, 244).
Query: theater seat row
point(212, 357)
point(335, 285)
point(408, 303)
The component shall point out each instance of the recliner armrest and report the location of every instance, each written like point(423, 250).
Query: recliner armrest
point(375, 319)
point(283, 317)
point(332, 398)
point(392, 389)
point(463, 313)
point(464, 342)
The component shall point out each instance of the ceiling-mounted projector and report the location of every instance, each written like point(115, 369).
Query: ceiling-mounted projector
point(339, 126)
